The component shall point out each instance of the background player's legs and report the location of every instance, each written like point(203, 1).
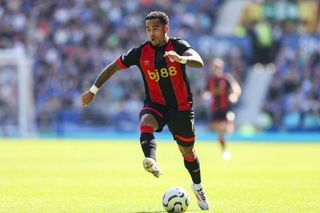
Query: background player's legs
point(148, 124)
point(222, 128)
point(222, 141)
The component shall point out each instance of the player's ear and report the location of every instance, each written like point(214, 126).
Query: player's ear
point(166, 28)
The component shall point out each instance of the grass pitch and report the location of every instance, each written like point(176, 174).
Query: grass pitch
point(97, 176)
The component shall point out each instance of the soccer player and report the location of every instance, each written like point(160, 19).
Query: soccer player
point(162, 61)
point(224, 91)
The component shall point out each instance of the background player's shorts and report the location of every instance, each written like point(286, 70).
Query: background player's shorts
point(180, 123)
point(220, 115)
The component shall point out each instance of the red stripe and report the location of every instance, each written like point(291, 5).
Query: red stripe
point(147, 65)
point(153, 110)
point(120, 64)
point(185, 139)
point(213, 99)
point(191, 159)
point(224, 93)
point(146, 129)
point(177, 81)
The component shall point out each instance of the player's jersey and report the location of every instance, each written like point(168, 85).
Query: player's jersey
point(219, 88)
point(165, 82)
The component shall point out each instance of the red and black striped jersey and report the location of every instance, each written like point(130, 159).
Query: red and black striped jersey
point(220, 88)
point(165, 82)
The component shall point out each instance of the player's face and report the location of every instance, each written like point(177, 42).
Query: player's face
point(156, 32)
point(217, 67)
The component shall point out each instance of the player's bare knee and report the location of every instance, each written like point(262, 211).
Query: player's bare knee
point(187, 152)
point(149, 120)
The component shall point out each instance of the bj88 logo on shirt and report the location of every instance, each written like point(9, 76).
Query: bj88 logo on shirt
point(162, 73)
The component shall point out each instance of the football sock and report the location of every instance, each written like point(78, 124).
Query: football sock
point(193, 167)
point(198, 186)
point(222, 143)
point(148, 142)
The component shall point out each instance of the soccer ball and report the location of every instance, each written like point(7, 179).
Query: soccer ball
point(176, 200)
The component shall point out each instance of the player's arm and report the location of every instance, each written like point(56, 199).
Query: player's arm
point(236, 89)
point(190, 57)
point(104, 75)
point(193, 58)
point(123, 62)
point(207, 93)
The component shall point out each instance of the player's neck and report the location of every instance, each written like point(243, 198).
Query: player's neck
point(165, 41)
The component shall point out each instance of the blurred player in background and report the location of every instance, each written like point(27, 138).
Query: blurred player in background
point(224, 91)
point(162, 61)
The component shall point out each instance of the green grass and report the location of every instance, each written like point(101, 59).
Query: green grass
point(94, 176)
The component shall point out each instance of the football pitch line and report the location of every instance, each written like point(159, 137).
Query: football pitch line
point(94, 176)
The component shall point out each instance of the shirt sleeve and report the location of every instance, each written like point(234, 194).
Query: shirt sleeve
point(129, 59)
point(180, 46)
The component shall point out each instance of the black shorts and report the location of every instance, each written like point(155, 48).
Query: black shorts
point(220, 115)
point(180, 123)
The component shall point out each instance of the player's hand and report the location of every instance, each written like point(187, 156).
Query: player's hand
point(233, 98)
point(173, 56)
point(86, 98)
point(206, 96)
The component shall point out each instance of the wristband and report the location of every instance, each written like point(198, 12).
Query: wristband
point(94, 89)
point(183, 61)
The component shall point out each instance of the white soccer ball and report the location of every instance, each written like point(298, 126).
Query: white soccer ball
point(176, 200)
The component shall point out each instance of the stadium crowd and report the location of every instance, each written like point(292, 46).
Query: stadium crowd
point(71, 41)
point(293, 100)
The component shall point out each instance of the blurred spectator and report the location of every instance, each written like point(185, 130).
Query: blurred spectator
point(260, 35)
point(71, 40)
point(293, 100)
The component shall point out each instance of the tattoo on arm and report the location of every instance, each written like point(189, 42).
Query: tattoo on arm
point(106, 73)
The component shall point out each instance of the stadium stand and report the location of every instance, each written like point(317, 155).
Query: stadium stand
point(70, 41)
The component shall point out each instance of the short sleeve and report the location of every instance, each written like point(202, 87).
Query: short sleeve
point(180, 46)
point(129, 59)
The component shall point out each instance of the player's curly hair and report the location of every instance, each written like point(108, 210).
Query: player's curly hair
point(162, 16)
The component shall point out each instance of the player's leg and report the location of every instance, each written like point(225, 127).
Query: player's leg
point(148, 124)
point(218, 125)
point(226, 155)
point(182, 128)
point(221, 128)
point(192, 164)
point(151, 119)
